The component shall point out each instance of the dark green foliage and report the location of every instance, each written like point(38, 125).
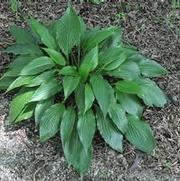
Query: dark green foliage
point(75, 81)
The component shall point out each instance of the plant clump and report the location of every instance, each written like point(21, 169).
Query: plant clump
point(76, 80)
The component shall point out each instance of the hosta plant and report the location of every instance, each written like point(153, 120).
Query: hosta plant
point(74, 81)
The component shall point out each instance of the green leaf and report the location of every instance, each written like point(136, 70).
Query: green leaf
point(68, 31)
point(102, 91)
point(41, 107)
point(37, 66)
point(80, 97)
point(24, 49)
point(55, 56)
point(114, 40)
point(130, 103)
point(46, 90)
point(50, 121)
point(21, 35)
point(26, 113)
point(89, 63)
point(83, 25)
point(69, 70)
point(135, 58)
point(52, 27)
point(5, 82)
point(89, 97)
point(127, 70)
point(18, 104)
point(93, 37)
point(20, 81)
point(67, 124)
point(40, 79)
point(151, 68)
point(14, 72)
point(128, 86)
point(140, 134)
point(129, 50)
point(86, 128)
point(145, 89)
point(75, 153)
point(70, 83)
point(116, 63)
point(21, 61)
point(43, 33)
point(108, 56)
point(109, 132)
point(118, 116)
point(72, 146)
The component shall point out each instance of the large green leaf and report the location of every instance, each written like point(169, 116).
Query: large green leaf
point(52, 27)
point(20, 81)
point(129, 50)
point(50, 121)
point(14, 72)
point(5, 82)
point(83, 26)
point(67, 124)
point(130, 103)
point(127, 70)
point(46, 90)
point(151, 68)
point(69, 70)
point(93, 37)
point(43, 77)
point(89, 62)
point(109, 132)
point(43, 33)
point(37, 66)
point(89, 97)
point(114, 40)
point(86, 128)
point(21, 35)
point(24, 49)
point(69, 84)
point(21, 61)
point(116, 63)
point(145, 89)
point(18, 104)
point(80, 97)
point(55, 56)
point(111, 58)
point(68, 31)
point(72, 146)
point(76, 154)
point(26, 113)
point(102, 91)
point(118, 116)
point(140, 135)
point(128, 86)
point(40, 108)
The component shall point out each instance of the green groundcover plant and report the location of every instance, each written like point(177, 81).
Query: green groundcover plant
point(75, 81)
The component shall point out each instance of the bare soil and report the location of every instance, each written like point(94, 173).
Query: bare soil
point(153, 27)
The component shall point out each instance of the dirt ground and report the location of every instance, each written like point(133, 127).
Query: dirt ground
point(151, 25)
